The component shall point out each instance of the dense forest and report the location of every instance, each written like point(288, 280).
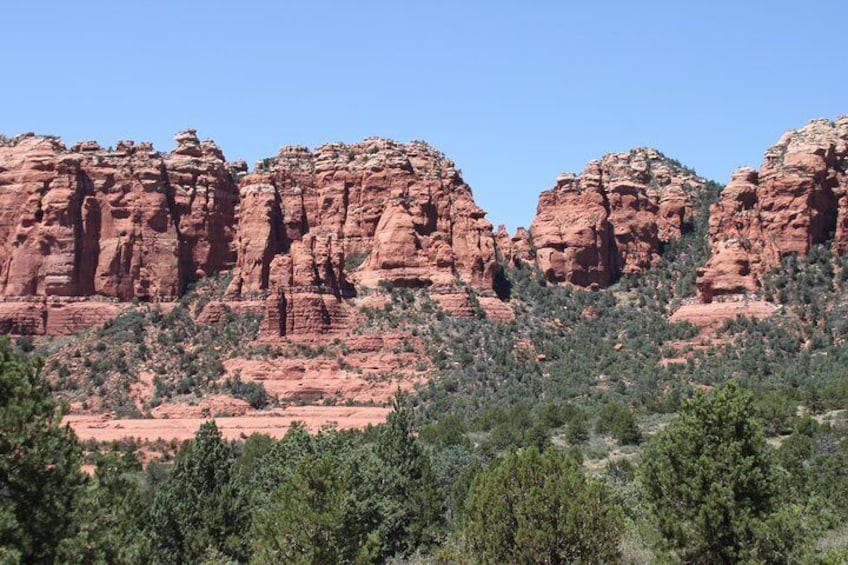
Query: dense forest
point(608, 436)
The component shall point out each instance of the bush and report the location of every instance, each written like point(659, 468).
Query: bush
point(254, 393)
point(709, 482)
point(534, 507)
point(618, 421)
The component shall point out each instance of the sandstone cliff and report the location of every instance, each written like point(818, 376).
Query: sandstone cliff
point(88, 224)
point(122, 224)
point(612, 219)
point(796, 200)
point(313, 225)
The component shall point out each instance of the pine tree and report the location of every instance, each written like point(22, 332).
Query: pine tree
point(708, 479)
point(111, 515)
point(309, 518)
point(412, 508)
point(533, 507)
point(40, 476)
point(197, 511)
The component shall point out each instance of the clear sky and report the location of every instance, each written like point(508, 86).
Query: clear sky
point(514, 92)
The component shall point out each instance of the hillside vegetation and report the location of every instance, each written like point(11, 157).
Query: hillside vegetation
point(587, 429)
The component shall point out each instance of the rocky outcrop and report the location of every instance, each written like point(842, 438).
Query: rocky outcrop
point(123, 224)
point(372, 211)
point(516, 249)
point(314, 225)
point(796, 200)
point(612, 219)
point(127, 223)
point(301, 232)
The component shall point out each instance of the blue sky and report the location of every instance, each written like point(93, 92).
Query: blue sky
point(514, 92)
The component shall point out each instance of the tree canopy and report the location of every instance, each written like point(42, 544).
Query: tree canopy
point(709, 480)
point(539, 507)
point(40, 476)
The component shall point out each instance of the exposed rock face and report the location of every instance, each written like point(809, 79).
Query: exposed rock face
point(796, 200)
point(610, 220)
point(312, 225)
point(301, 232)
point(119, 224)
point(514, 249)
point(124, 224)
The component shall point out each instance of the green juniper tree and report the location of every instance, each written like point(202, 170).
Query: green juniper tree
point(196, 512)
point(533, 507)
point(40, 476)
point(111, 516)
point(310, 518)
point(617, 421)
point(412, 508)
point(710, 483)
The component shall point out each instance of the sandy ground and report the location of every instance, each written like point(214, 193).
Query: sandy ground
point(274, 423)
point(710, 317)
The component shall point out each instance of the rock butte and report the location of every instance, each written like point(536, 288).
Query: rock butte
point(796, 200)
point(609, 221)
point(85, 229)
point(313, 226)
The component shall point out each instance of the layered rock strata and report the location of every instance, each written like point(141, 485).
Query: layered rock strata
point(313, 225)
point(300, 232)
point(119, 224)
point(796, 200)
point(612, 219)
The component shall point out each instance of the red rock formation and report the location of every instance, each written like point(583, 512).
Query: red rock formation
point(118, 224)
point(205, 201)
point(23, 318)
point(711, 317)
point(134, 224)
point(68, 317)
point(514, 249)
point(796, 200)
point(735, 229)
point(610, 220)
point(572, 234)
point(314, 225)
